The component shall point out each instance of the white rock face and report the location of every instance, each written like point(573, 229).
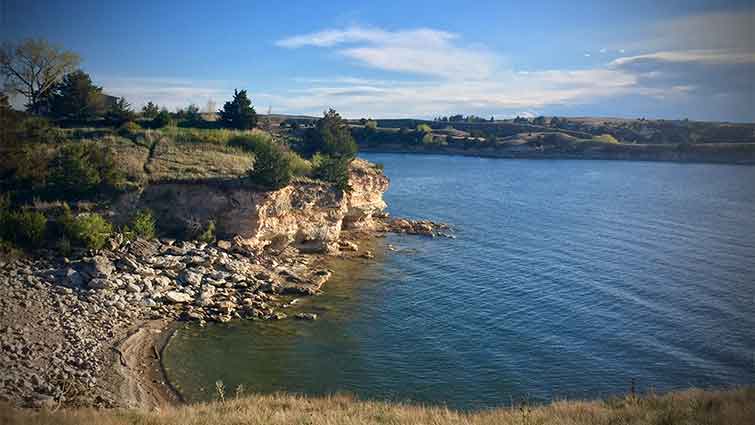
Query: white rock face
point(309, 216)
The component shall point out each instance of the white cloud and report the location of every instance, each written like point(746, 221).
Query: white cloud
point(711, 57)
point(419, 51)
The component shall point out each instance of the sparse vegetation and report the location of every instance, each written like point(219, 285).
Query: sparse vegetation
point(736, 407)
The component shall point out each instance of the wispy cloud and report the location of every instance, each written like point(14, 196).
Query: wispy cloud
point(710, 57)
point(677, 61)
point(418, 51)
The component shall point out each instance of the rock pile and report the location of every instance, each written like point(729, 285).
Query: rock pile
point(73, 312)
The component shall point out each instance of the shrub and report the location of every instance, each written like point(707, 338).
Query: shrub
point(24, 228)
point(208, 236)
point(79, 169)
point(299, 166)
point(39, 130)
point(249, 141)
point(333, 170)
point(143, 224)
point(89, 230)
point(162, 119)
point(129, 128)
point(272, 167)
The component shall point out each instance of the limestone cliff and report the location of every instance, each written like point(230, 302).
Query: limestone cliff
point(308, 215)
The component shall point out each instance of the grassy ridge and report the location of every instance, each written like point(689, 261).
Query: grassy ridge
point(734, 407)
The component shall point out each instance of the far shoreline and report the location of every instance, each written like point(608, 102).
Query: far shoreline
point(544, 156)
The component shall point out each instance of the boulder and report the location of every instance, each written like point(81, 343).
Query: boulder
point(99, 283)
point(98, 267)
point(190, 278)
point(74, 278)
point(177, 297)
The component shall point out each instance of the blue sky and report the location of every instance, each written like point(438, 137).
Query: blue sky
point(671, 59)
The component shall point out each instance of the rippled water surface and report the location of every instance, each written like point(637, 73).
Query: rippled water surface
point(567, 279)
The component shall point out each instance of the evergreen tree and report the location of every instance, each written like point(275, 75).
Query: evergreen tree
point(77, 99)
point(330, 136)
point(119, 113)
point(150, 110)
point(238, 113)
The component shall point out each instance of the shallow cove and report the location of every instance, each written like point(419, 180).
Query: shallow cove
point(567, 279)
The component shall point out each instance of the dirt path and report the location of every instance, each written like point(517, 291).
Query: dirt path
point(138, 376)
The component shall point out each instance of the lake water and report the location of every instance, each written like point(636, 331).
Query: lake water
point(566, 279)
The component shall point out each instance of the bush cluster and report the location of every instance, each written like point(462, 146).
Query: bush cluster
point(332, 169)
point(81, 169)
point(23, 228)
point(89, 230)
point(142, 225)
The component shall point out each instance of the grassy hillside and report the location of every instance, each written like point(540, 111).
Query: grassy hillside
point(736, 407)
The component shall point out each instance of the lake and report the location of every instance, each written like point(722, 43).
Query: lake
point(567, 279)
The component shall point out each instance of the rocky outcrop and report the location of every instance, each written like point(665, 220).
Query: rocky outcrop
point(306, 215)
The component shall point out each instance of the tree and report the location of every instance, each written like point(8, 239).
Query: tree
point(77, 99)
point(162, 119)
point(33, 68)
point(238, 113)
point(150, 110)
point(330, 136)
point(119, 113)
point(190, 116)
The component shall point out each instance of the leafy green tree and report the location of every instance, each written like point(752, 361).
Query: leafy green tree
point(32, 68)
point(77, 99)
point(119, 113)
point(238, 113)
point(150, 110)
point(330, 136)
point(272, 167)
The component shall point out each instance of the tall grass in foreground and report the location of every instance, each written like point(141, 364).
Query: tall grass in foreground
point(735, 407)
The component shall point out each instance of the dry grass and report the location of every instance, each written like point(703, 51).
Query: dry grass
point(735, 407)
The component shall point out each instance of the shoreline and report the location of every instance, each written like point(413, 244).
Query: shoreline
point(555, 156)
point(98, 325)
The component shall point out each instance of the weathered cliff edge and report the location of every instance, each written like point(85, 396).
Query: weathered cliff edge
point(308, 215)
